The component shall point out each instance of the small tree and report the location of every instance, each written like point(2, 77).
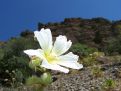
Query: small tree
point(98, 37)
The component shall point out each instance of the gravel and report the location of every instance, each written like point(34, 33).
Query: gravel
point(84, 80)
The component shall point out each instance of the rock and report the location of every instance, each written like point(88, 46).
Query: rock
point(103, 60)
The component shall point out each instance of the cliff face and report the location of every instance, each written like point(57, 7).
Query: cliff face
point(94, 32)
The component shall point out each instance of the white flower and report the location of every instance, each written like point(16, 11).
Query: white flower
point(52, 56)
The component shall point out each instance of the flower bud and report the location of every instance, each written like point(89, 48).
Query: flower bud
point(46, 78)
point(35, 61)
point(7, 71)
point(13, 71)
point(5, 79)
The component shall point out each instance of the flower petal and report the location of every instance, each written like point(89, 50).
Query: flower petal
point(45, 64)
point(69, 60)
point(61, 45)
point(44, 38)
point(69, 57)
point(32, 52)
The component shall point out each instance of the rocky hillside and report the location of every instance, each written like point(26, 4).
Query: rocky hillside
point(95, 32)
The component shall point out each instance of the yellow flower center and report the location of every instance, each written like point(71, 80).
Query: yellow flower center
point(51, 58)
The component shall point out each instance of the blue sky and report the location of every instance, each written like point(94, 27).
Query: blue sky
point(18, 15)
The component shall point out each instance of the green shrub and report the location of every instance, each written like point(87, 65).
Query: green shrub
point(113, 46)
point(96, 71)
point(117, 29)
point(91, 59)
point(98, 37)
point(1, 54)
point(82, 50)
point(13, 58)
point(109, 85)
